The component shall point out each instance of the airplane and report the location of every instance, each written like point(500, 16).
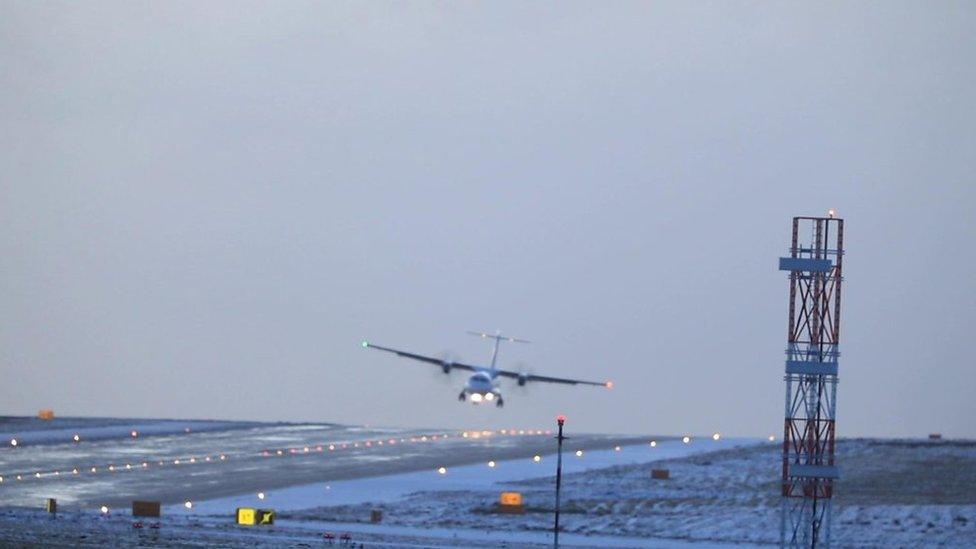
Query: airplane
point(482, 386)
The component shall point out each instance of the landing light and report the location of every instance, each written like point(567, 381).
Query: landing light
point(489, 396)
point(476, 397)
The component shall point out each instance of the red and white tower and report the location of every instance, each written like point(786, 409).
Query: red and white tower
point(809, 471)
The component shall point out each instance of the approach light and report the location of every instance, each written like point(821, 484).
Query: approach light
point(104, 510)
point(491, 464)
point(716, 436)
point(94, 469)
point(442, 470)
point(537, 458)
point(260, 495)
point(831, 213)
point(653, 443)
point(134, 434)
point(13, 442)
point(686, 440)
point(188, 505)
point(616, 448)
point(579, 453)
point(76, 438)
point(772, 438)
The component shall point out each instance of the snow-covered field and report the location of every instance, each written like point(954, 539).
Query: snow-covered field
point(893, 493)
point(329, 478)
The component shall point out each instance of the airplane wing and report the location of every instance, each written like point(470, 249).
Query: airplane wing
point(523, 378)
point(445, 364)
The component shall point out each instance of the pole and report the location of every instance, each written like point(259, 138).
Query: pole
point(559, 479)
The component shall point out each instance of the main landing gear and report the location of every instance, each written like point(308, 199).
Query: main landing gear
point(499, 403)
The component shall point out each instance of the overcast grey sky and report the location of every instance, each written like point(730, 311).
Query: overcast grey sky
point(205, 207)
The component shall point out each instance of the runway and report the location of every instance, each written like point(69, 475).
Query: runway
point(221, 459)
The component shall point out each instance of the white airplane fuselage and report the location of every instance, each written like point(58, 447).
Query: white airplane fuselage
point(481, 388)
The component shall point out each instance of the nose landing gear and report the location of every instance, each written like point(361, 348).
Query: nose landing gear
point(461, 396)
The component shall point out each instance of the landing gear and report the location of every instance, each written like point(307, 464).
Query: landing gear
point(461, 396)
point(499, 403)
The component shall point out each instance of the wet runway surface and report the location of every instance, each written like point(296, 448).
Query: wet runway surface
point(235, 458)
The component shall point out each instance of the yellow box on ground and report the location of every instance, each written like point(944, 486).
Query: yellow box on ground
point(246, 516)
point(510, 498)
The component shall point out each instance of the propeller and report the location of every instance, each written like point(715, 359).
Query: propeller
point(448, 358)
point(524, 371)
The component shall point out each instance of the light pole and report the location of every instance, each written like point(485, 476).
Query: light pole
point(560, 420)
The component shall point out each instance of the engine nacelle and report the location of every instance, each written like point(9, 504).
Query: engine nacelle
point(523, 379)
point(446, 366)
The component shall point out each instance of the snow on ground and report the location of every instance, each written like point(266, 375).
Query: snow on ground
point(893, 493)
